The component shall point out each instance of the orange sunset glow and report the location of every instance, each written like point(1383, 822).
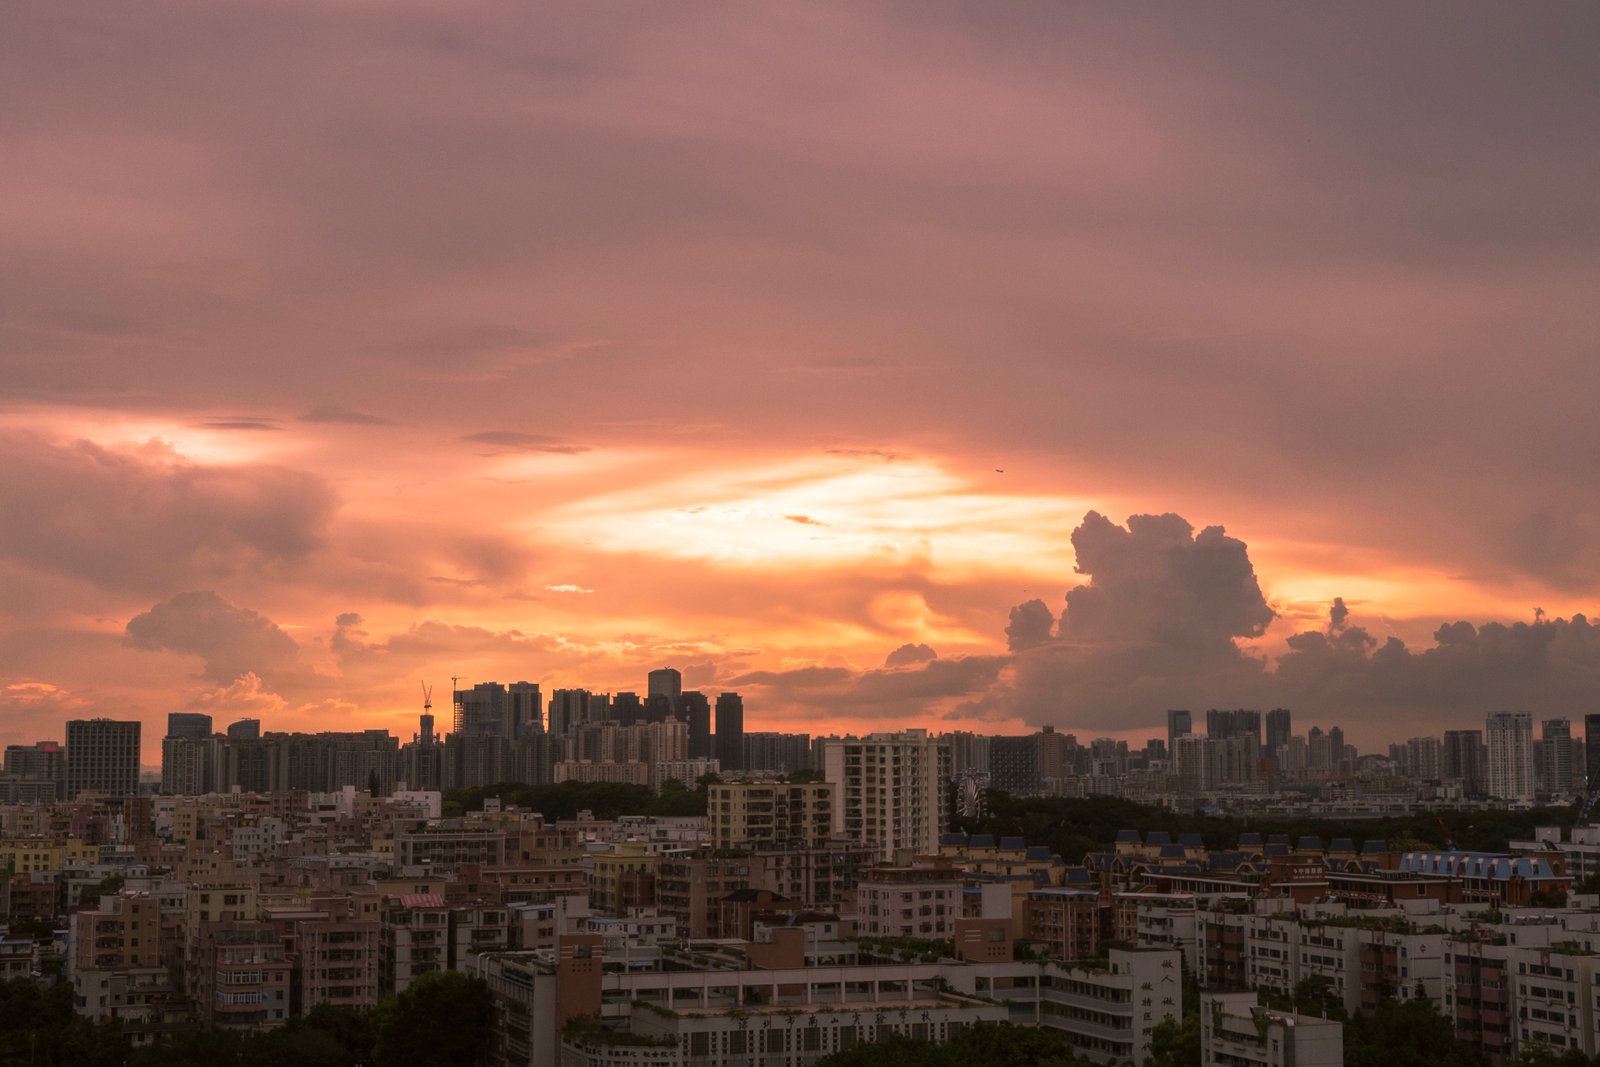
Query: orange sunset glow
point(348, 347)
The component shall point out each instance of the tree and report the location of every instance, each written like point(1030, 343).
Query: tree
point(443, 1019)
point(1176, 1044)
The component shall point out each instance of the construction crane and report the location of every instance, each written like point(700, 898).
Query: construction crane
point(1444, 832)
point(427, 698)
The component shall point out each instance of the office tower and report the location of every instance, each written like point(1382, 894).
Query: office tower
point(1014, 765)
point(1556, 756)
point(1278, 730)
point(1509, 736)
point(525, 708)
point(730, 731)
point(892, 789)
point(627, 709)
point(696, 710)
point(41, 762)
point(1179, 724)
point(102, 757)
point(245, 730)
point(662, 695)
point(1319, 751)
point(1336, 745)
point(188, 724)
point(1591, 750)
point(569, 709)
point(1294, 756)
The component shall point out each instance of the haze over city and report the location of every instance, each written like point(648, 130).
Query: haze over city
point(960, 366)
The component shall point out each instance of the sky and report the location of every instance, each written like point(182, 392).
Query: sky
point(965, 365)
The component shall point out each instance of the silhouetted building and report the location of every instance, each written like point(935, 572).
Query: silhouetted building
point(1591, 750)
point(627, 709)
point(188, 724)
point(1238, 722)
point(1179, 724)
point(696, 710)
point(665, 683)
point(1509, 736)
point(569, 708)
point(730, 731)
point(1278, 730)
point(1014, 764)
point(245, 729)
point(525, 708)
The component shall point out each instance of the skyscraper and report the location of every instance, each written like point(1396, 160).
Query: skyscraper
point(696, 710)
point(103, 757)
point(663, 695)
point(569, 708)
point(1238, 722)
point(1179, 724)
point(1591, 750)
point(1509, 735)
point(1278, 730)
point(525, 709)
point(1556, 756)
point(1462, 759)
point(188, 755)
point(730, 731)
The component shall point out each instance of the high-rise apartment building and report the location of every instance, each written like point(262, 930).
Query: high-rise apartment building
point(1462, 758)
point(569, 709)
point(1278, 730)
point(1179, 724)
point(892, 790)
point(1509, 736)
point(695, 709)
point(1424, 758)
point(524, 709)
point(1591, 751)
point(730, 731)
point(1236, 722)
point(1556, 757)
point(768, 815)
point(102, 757)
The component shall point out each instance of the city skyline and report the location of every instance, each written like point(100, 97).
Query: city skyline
point(953, 368)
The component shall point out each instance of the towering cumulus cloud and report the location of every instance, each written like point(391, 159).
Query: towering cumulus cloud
point(1155, 625)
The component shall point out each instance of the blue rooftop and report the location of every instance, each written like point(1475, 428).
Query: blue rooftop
point(1125, 837)
point(981, 841)
point(953, 839)
point(1158, 837)
point(1013, 844)
point(1308, 842)
point(1040, 852)
point(1488, 865)
point(1341, 844)
point(1250, 840)
point(1374, 846)
point(1191, 841)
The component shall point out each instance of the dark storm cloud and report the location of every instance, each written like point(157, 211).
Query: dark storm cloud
point(141, 519)
point(1337, 614)
point(233, 641)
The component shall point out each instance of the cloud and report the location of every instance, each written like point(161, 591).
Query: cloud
point(907, 654)
point(232, 641)
point(805, 520)
point(243, 422)
point(914, 693)
point(502, 441)
point(335, 414)
point(1337, 614)
point(1031, 624)
point(143, 519)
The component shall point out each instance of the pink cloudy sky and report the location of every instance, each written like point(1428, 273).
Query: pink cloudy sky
point(346, 345)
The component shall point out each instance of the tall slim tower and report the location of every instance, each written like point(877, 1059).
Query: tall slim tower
point(1591, 750)
point(525, 709)
point(1278, 730)
point(1556, 755)
point(697, 711)
point(1509, 735)
point(730, 731)
point(1179, 724)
